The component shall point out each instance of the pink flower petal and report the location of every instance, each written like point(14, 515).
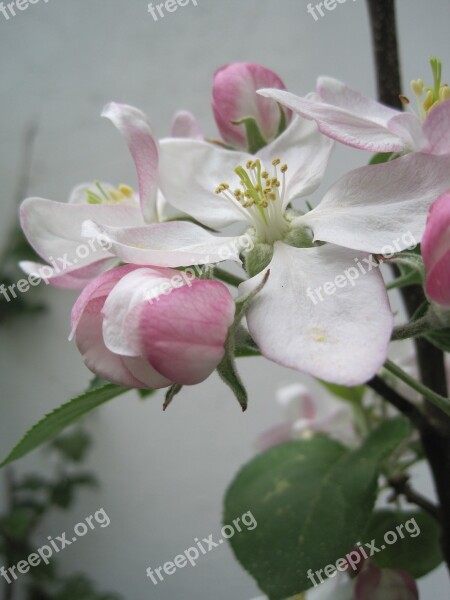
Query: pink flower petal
point(437, 127)
point(134, 125)
point(234, 98)
point(71, 279)
point(358, 127)
point(185, 125)
point(183, 334)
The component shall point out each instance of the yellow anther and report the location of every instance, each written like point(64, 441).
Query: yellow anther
point(272, 196)
point(126, 190)
point(250, 164)
point(264, 204)
point(225, 186)
point(237, 193)
point(116, 196)
point(219, 189)
point(265, 175)
point(284, 168)
point(248, 204)
point(429, 101)
point(417, 87)
point(247, 194)
point(267, 190)
point(444, 93)
point(276, 162)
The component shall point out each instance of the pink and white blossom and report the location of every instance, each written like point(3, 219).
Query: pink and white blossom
point(385, 584)
point(150, 327)
point(356, 120)
point(234, 98)
point(306, 415)
point(361, 214)
point(436, 251)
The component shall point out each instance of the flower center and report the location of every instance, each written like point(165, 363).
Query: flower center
point(123, 194)
point(428, 98)
point(261, 197)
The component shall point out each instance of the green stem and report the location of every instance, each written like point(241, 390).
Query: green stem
point(412, 330)
point(227, 277)
point(434, 398)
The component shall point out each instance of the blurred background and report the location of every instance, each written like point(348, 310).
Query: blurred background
point(162, 476)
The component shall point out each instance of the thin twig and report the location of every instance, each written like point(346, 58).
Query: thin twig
point(400, 485)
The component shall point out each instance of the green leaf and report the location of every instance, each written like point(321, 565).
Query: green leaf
point(351, 394)
point(380, 158)
point(418, 552)
point(62, 417)
point(311, 500)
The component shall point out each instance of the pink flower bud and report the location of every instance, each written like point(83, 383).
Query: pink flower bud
point(385, 584)
point(150, 327)
point(234, 98)
point(436, 251)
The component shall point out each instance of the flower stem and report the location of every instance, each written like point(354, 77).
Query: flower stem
point(436, 399)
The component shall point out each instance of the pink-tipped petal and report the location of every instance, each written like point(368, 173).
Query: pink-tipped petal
point(183, 334)
point(121, 330)
point(436, 239)
point(436, 251)
point(53, 229)
point(98, 288)
point(70, 279)
point(326, 338)
point(362, 126)
point(134, 125)
point(437, 127)
point(185, 125)
point(234, 98)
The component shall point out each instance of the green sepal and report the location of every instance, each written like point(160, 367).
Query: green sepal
point(255, 138)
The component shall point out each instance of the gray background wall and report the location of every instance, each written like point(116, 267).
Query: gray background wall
point(163, 475)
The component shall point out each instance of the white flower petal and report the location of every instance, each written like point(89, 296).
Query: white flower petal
point(190, 172)
point(171, 244)
point(343, 338)
point(306, 152)
point(381, 206)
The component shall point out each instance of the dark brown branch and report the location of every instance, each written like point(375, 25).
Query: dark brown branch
point(400, 485)
point(407, 408)
point(435, 430)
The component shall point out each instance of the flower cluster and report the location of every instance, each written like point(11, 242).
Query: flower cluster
point(272, 155)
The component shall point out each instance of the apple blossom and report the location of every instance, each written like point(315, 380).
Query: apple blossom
point(54, 228)
point(363, 213)
point(352, 118)
point(385, 584)
point(305, 415)
point(436, 251)
point(148, 327)
point(234, 101)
